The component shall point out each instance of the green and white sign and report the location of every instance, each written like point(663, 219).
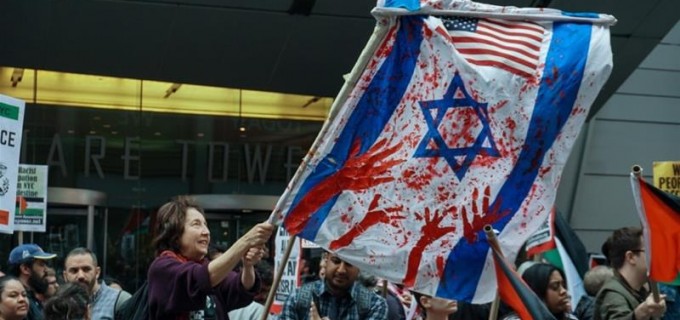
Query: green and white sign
point(31, 204)
point(11, 129)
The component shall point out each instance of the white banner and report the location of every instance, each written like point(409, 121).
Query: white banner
point(31, 198)
point(11, 129)
point(290, 279)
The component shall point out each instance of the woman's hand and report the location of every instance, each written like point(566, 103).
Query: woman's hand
point(253, 256)
point(258, 235)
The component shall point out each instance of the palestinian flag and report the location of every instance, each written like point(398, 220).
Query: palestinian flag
point(516, 294)
point(30, 206)
point(660, 215)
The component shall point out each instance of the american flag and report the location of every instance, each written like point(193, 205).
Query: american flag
point(513, 46)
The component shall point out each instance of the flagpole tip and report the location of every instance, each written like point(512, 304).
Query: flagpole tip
point(490, 234)
point(637, 170)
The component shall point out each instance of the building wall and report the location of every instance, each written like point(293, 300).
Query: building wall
point(639, 124)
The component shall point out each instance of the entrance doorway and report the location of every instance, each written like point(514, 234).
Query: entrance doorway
point(230, 216)
point(75, 218)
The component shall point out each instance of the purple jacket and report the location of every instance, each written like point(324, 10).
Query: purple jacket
point(177, 288)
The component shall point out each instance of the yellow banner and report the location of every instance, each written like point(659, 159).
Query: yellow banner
point(667, 176)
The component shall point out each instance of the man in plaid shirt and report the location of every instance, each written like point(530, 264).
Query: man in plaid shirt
point(336, 297)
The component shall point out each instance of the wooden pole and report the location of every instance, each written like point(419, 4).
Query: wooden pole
point(277, 278)
point(653, 286)
point(384, 288)
point(493, 243)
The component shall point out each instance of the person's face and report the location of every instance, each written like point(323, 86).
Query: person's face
point(639, 259)
point(81, 269)
point(193, 244)
point(340, 275)
point(52, 285)
point(13, 301)
point(39, 268)
point(556, 297)
point(36, 279)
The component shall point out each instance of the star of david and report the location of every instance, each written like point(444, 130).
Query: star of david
point(433, 144)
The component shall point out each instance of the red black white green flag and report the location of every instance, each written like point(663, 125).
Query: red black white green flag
point(660, 215)
point(515, 292)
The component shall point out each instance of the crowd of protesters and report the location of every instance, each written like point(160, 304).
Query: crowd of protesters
point(190, 278)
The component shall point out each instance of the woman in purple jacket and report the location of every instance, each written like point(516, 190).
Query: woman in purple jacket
point(183, 284)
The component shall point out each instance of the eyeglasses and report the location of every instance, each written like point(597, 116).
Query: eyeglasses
point(638, 250)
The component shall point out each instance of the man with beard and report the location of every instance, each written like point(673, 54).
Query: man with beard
point(337, 296)
point(81, 267)
point(27, 262)
point(52, 285)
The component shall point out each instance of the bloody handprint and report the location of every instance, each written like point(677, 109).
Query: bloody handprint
point(480, 218)
point(372, 217)
point(429, 233)
point(359, 172)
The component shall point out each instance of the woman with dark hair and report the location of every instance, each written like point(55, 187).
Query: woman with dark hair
point(71, 302)
point(13, 300)
point(182, 283)
point(550, 285)
point(433, 308)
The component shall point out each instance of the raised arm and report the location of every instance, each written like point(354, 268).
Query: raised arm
point(255, 238)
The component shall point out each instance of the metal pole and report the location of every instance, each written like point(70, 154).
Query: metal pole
point(90, 227)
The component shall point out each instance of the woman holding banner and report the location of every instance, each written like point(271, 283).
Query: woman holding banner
point(183, 284)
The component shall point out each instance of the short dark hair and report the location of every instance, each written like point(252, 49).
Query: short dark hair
point(621, 241)
point(170, 223)
point(70, 302)
point(82, 251)
point(14, 269)
point(266, 272)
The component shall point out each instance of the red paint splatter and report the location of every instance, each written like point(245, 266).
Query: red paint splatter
point(440, 265)
point(482, 217)
point(510, 123)
point(429, 233)
point(427, 33)
point(543, 171)
point(360, 172)
point(386, 46)
point(372, 217)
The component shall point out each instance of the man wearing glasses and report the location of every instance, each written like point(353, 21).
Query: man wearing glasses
point(626, 295)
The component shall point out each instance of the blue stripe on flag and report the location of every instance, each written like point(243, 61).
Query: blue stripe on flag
point(581, 14)
point(554, 103)
point(371, 114)
point(410, 5)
